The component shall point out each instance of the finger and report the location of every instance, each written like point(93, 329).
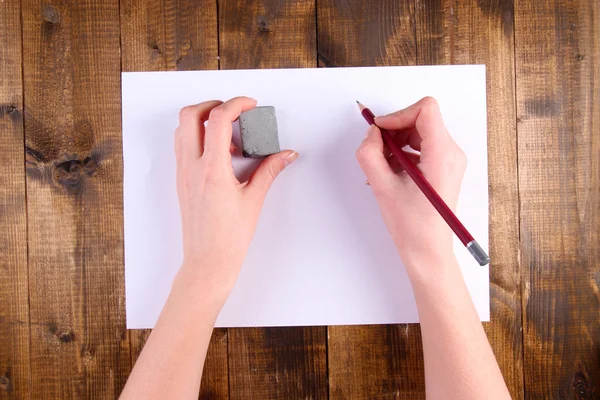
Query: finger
point(397, 167)
point(424, 116)
point(218, 128)
point(191, 128)
point(406, 137)
point(264, 176)
point(412, 138)
point(371, 158)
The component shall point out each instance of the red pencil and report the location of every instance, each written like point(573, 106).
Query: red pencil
point(415, 173)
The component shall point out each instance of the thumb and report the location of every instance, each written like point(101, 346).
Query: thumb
point(264, 176)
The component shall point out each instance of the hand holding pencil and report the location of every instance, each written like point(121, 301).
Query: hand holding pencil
point(420, 232)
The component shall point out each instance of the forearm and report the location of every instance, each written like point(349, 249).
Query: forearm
point(170, 365)
point(459, 362)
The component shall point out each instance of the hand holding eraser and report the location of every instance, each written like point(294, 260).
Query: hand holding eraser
point(258, 131)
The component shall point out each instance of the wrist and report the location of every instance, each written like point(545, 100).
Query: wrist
point(199, 291)
point(426, 266)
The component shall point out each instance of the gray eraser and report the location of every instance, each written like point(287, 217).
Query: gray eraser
point(258, 130)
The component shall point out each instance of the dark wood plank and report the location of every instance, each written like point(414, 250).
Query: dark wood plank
point(278, 363)
point(558, 110)
point(475, 32)
point(376, 362)
point(354, 33)
point(167, 36)
point(14, 309)
point(267, 34)
point(379, 361)
point(71, 69)
point(272, 363)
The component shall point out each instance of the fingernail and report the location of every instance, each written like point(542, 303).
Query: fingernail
point(290, 158)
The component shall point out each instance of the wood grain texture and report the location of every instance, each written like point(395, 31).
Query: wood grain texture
point(379, 361)
point(71, 116)
point(476, 32)
point(14, 306)
point(354, 33)
point(71, 67)
point(278, 363)
point(267, 34)
point(167, 36)
point(376, 362)
point(272, 363)
point(558, 109)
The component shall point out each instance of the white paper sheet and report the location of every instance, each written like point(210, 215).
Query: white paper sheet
point(321, 254)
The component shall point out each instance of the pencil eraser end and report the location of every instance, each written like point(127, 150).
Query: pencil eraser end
point(258, 131)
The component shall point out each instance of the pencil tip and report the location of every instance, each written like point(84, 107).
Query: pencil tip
point(357, 102)
point(360, 105)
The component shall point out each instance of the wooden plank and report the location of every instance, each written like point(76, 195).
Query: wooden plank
point(169, 35)
point(558, 109)
point(174, 35)
point(354, 33)
point(278, 363)
point(267, 34)
point(376, 361)
point(475, 32)
point(381, 361)
point(71, 67)
point(272, 363)
point(14, 312)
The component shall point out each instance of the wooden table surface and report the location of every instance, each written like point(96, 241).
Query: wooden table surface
point(62, 294)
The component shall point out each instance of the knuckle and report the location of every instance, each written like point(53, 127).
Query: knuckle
point(216, 113)
point(186, 113)
point(210, 179)
point(362, 154)
point(364, 149)
point(272, 171)
point(429, 102)
point(457, 160)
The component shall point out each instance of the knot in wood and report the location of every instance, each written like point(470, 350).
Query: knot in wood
point(88, 354)
point(263, 24)
point(582, 385)
point(11, 111)
point(50, 14)
point(5, 383)
point(69, 173)
point(66, 335)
